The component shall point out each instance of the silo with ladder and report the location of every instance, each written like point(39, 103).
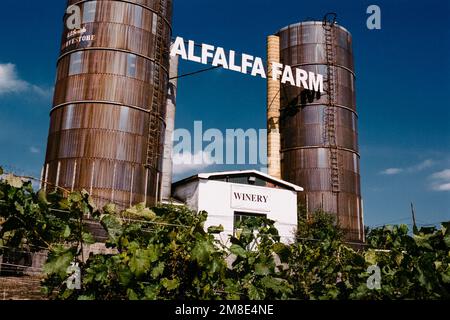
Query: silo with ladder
point(319, 137)
point(108, 117)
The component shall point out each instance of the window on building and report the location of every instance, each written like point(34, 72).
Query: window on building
point(76, 61)
point(131, 65)
point(89, 10)
point(242, 217)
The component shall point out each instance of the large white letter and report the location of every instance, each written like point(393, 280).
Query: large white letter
point(301, 76)
point(258, 68)
point(220, 58)
point(232, 60)
point(191, 52)
point(178, 48)
point(288, 76)
point(246, 62)
point(207, 53)
point(315, 85)
point(276, 70)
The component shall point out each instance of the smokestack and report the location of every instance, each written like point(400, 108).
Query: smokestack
point(167, 167)
point(273, 109)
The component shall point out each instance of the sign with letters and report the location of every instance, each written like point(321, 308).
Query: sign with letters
point(248, 64)
point(245, 197)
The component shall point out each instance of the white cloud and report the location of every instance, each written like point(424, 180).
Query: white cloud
point(441, 187)
point(422, 166)
point(441, 180)
point(10, 82)
point(428, 163)
point(441, 175)
point(184, 163)
point(34, 150)
point(391, 171)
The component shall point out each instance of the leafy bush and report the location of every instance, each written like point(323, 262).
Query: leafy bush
point(165, 253)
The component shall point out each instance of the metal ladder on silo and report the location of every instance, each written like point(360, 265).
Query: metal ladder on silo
point(154, 130)
point(330, 109)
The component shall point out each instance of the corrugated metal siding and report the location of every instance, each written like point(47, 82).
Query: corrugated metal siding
point(305, 149)
point(99, 125)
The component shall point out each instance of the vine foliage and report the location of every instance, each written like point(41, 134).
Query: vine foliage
point(165, 253)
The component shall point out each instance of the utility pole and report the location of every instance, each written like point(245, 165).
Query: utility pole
point(413, 218)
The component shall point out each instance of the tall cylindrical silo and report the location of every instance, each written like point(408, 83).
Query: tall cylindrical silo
point(107, 121)
point(319, 137)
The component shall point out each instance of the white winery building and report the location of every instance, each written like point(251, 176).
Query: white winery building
point(231, 196)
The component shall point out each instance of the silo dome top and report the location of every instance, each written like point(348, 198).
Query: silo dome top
point(308, 23)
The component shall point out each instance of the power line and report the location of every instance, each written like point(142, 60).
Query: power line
point(195, 72)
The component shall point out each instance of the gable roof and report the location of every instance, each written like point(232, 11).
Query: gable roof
point(208, 176)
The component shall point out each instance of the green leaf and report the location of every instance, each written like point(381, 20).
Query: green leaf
point(147, 213)
point(423, 241)
point(158, 270)
point(447, 240)
point(110, 208)
point(282, 251)
point(1, 170)
point(371, 257)
point(255, 293)
point(112, 225)
point(276, 284)
point(132, 295)
point(125, 275)
point(238, 250)
point(67, 232)
point(446, 275)
point(86, 297)
point(201, 252)
point(215, 229)
point(42, 197)
point(58, 262)
point(151, 292)
point(140, 262)
point(261, 269)
point(19, 208)
point(170, 285)
point(75, 197)
point(88, 238)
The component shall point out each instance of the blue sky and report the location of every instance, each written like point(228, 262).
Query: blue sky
point(402, 88)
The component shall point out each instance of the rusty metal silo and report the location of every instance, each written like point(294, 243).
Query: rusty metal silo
point(107, 122)
point(319, 137)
